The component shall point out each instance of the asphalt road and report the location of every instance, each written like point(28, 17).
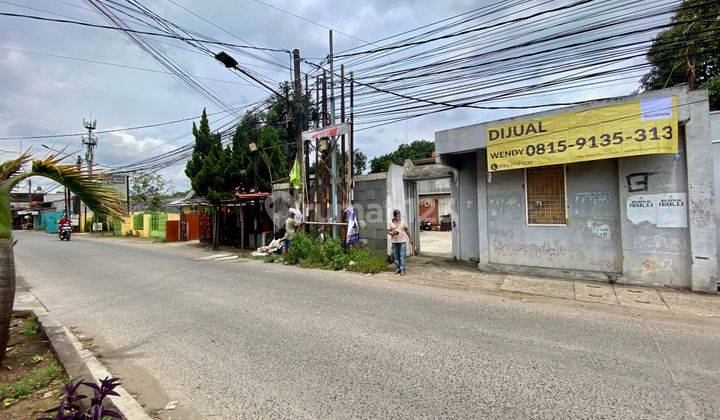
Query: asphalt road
point(242, 338)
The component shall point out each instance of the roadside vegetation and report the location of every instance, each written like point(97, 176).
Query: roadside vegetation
point(309, 252)
point(31, 378)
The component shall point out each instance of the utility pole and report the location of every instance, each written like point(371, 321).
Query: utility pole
point(127, 192)
point(324, 154)
point(351, 140)
point(306, 145)
point(343, 158)
point(333, 150)
point(76, 202)
point(299, 126)
point(90, 141)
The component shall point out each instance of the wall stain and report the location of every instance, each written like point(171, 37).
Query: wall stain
point(701, 211)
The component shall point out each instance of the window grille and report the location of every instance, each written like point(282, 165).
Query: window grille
point(545, 189)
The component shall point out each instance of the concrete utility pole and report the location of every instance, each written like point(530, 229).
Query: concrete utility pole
point(299, 126)
point(333, 149)
point(90, 141)
point(351, 139)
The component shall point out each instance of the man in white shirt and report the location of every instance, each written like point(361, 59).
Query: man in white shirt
point(399, 235)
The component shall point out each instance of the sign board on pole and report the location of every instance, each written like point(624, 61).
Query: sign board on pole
point(74, 220)
point(329, 131)
point(638, 128)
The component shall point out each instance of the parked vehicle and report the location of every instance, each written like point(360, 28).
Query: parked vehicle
point(64, 232)
point(425, 224)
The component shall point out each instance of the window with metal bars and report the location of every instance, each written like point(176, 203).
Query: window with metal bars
point(545, 192)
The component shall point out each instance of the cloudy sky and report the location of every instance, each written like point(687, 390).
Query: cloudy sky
point(41, 93)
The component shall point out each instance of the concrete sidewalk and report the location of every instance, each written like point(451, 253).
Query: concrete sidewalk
point(458, 275)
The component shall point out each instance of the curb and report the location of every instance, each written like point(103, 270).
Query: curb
point(80, 363)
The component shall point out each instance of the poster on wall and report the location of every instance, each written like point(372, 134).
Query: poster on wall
point(643, 127)
point(661, 210)
point(641, 208)
point(672, 210)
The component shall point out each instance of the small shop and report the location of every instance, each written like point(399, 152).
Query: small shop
point(619, 189)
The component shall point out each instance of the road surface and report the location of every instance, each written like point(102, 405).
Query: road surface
point(243, 338)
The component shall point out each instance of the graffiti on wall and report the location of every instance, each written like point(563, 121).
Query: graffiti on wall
point(585, 202)
point(498, 204)
point(599, 229)
point(638, 181)
point(546, 250)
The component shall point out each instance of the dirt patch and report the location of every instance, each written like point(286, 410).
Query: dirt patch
point(31, 378)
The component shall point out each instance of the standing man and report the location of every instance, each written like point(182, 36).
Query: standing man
point(399, 235)
point(291, 227)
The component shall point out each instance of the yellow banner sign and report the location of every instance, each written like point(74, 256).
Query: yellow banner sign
point(637, 128)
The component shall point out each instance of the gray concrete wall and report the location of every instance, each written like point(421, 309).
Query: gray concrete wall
point(715, 137)
point(589, 241)
point(370, 205)
point(465, 207)
point(395, 197)
point(701, 194)
point(651, 254)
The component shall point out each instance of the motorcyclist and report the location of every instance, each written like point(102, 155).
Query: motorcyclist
point(64, 220)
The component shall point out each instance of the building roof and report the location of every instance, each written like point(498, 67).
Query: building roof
point(472, 137)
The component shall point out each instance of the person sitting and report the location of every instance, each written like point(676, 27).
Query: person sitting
point(64, 220)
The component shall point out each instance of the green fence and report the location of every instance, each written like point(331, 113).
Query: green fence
point(138, 221)
point(157, 225)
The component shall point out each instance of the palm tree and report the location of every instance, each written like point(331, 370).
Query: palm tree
point(88, 188)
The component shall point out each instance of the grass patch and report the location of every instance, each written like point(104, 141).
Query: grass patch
point(31, 378)
point(271, 258)
point(309, 252)
point(30, 326)
point(38, 378)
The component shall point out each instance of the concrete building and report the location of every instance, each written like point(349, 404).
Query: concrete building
point(640, 218)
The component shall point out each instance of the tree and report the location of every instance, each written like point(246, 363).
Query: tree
point(359, 162)
point(100, 197)
point(147, 189)
point(203, 143)
point(419, 149)
point(688, 52)
point(258, 154)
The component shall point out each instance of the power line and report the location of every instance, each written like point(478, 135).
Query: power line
point(115, 130)
point(187, 39)
point(309, 20)
point(87, 60)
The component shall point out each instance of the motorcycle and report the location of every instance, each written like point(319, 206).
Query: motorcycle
point(64, 232)
point(425, 224)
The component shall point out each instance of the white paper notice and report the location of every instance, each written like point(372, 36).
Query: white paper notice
point(671, 210)
point(662, 210)
point(641, 208)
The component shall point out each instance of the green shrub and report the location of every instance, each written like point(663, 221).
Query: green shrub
point(302, 247)
point(362, 260)
point(309, 252)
